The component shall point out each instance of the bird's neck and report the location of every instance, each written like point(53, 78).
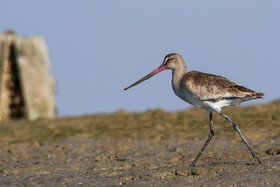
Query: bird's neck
point(177, 75)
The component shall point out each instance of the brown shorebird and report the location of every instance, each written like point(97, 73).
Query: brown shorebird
point(206, 91)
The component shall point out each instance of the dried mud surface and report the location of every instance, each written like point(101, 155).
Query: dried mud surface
point(142, 149)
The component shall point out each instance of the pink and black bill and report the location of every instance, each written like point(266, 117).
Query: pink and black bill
point(159, 69)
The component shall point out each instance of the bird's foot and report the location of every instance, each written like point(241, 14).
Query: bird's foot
point(192, 164)
point(254, 159)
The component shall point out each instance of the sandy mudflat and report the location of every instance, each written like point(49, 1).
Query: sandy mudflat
point(82, 161)
point(139, 149)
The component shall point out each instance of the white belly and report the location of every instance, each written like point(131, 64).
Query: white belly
point(188, 97)
point(207, 105)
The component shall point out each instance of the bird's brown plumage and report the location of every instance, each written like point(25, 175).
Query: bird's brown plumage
point(209, 87)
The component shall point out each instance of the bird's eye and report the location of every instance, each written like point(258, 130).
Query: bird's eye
point(167, 59)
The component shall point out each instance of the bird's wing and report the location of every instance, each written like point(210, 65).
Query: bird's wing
point(209, 87)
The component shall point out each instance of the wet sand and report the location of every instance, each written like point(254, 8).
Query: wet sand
point(85, 156)
point(83, 161)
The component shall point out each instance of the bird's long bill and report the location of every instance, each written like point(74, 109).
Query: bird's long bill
point(159, 69)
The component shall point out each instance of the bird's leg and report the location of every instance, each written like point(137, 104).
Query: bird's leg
point(242, 137)
point(210, 136)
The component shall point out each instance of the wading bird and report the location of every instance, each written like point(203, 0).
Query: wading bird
point(206, 91)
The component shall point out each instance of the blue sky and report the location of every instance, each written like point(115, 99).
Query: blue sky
point(97, 48)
